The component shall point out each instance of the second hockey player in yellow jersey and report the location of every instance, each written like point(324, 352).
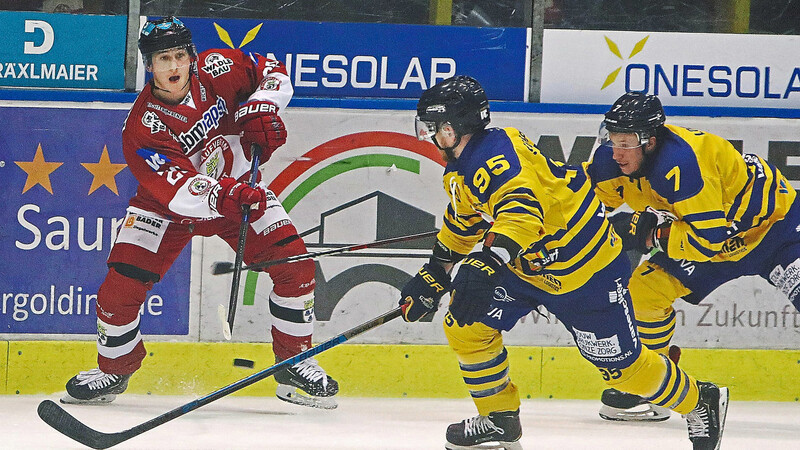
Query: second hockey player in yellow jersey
point(713, 214)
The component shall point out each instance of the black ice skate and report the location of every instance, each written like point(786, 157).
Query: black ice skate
point(498, 430)
point(622, 406)
point(707, 420)
point(95, 387)
point(307, 384)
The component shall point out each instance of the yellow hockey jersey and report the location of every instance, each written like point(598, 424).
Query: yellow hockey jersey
point(725, 202)
point(502, 183)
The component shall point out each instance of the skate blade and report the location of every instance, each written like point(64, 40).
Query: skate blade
point(293, 395)
point(646, 412)
point(494, 445)
point(723, 413)
point(102, 400)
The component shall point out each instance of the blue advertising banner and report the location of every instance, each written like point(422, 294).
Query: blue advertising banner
point(377, 60)
point(62, 50)
point(65, 190)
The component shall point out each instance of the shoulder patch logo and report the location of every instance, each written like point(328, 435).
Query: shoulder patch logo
point(270, 84)
point(155, 160)
point(151, 120)
point(216, 64)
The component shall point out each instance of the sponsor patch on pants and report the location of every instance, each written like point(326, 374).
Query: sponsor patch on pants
point(143, 231)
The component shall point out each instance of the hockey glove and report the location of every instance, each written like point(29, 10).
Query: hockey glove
point(473, 287)
point(650, 228)
point(621, 223)
point(423, 292)
point(260, 124)
point(233, 197)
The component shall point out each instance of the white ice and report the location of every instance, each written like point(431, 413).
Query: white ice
point(361, 423)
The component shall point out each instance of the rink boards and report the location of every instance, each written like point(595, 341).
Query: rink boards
point(348, 174)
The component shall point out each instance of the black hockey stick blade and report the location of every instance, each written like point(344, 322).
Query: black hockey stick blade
point(223, 267)
point(64, 422)
point(55, 416)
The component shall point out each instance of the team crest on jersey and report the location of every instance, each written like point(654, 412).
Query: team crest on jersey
point(199, 186)
point(151, 120)
point(212, 159)
point(216, 65)
point(270, 84)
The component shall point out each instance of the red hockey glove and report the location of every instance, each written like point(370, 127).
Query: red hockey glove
point(423, 292)
point(260, 124)
point(233, 197)
point(473, 287)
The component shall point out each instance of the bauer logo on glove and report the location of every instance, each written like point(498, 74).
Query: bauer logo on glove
point(256, 108)
point(423, 292)
point(478, 264)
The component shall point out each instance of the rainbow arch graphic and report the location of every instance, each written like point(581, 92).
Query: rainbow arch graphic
point(318, 154)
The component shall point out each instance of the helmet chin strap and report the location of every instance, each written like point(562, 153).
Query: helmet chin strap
point(448, 151)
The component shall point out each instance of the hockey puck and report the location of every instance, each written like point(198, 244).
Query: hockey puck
point(240, 362)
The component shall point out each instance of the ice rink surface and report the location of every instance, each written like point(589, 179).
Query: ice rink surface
point(360, 423)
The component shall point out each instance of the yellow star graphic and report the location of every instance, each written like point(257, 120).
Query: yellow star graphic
point(104, 172)
point(38, 171)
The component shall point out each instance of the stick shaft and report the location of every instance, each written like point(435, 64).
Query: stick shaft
point(312, 255)
point(237, 265)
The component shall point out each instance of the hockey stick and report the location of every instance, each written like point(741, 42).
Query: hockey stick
point(223, 267)
point(227, 327)
point(66, 424)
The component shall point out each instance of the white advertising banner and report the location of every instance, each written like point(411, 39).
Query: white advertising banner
point(690, 69)
point(354, 176)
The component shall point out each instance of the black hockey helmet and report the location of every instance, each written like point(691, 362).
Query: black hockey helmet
point(635, 112)
point(162, 34)
point(459, 100)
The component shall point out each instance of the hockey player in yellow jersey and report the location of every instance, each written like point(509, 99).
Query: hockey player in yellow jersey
point(712, 214)
point(546, 242)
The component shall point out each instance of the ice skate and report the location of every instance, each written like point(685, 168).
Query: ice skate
point(94, 387)
point(307, 384)
point(707, 420)
point(622, 406)
point(498, 430)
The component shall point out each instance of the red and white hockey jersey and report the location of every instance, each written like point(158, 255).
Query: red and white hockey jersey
point(178, 152)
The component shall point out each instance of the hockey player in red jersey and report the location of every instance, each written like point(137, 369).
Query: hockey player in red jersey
point(187, 140)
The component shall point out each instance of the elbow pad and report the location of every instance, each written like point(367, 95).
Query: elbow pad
point(443, 255)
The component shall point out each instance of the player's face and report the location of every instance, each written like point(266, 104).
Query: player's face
point(171, 70)
point(446, 135)
point(628, 151)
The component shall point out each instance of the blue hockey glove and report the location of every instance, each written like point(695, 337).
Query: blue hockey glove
point(473, 287)
point(423, 292)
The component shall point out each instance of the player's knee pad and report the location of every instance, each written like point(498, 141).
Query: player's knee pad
point(656, 378)
point(292, 279)
point(483, 361)
point(120, 297)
